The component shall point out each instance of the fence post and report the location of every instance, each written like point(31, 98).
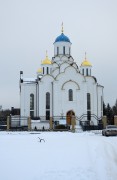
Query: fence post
point(73, 123)
point(115, 120)
point(104, 121)
point(8, 123)
point(29, 123)
point(51, 123)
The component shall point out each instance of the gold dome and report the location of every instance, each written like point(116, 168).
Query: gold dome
point(86, 63)
point(39, 70)
point(46, 60)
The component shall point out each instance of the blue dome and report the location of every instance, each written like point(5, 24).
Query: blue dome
point(63, 38)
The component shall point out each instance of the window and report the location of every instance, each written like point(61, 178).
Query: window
point(43, 70)
point(88, 106)
point(47, 114)
point(70, 95)
point(69, 50)
point(31, 101)
point(87, 72)
point(47, 106)
point(83, 71)
point(47, 100)
point(47, 70)
point(63, 49)
point(90, 72)
point(32, 105)
point(88, 101)
point(57, 50)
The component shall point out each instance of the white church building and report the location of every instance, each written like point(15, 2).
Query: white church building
point(62, 88)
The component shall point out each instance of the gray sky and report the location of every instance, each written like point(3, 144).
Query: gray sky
point(29, 27)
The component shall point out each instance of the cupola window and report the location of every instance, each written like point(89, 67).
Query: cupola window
point(64, 50)
point(47, 70)
point(43, 70)
point(69, 50)
point(87, 72)
point(57, 50)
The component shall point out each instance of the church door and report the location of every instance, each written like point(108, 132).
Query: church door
point(69, 116)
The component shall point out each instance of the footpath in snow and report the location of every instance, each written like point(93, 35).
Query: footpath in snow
point(63, 156)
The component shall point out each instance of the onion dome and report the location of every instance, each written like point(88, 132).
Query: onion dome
point(62, 37)
point(39, 70)
point(46, 60)
point(86, 62)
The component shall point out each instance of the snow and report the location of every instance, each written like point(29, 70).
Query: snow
point(63, 156)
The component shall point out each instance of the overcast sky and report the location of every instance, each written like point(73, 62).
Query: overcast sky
point(29, 27)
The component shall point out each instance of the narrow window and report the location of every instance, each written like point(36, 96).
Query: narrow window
point(88, 101)
point(83, 71)
point(32, 105)
point(69, 50)
point(47, 106)
point(43, 70)
point(64, 50)
point(47, 100)
point(47, 70)
point(90, 72)
point(70, 95)
point(88, 106)
point(47, 114)
point(87, 72)
point(57, 50)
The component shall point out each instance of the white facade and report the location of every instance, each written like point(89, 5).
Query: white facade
point(70, 89)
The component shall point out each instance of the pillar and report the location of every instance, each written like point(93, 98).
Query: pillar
point(8, 123)
point(115, 120)
point(104, 121)
point(73, 122)
point(51, 123)
point(29, 123)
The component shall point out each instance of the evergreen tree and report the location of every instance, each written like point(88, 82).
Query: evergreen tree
point(109, 114)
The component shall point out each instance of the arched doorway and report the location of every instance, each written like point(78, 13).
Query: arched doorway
point(69, 115)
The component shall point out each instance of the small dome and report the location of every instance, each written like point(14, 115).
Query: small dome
point(86, 63)
point(46, 61)
point(62, 38)
point(39, 70)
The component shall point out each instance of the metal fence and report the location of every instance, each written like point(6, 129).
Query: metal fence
point(3, 123)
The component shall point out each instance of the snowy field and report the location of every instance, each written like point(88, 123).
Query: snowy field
point(63, 156)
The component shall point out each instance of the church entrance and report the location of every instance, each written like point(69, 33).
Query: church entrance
point(69, 115)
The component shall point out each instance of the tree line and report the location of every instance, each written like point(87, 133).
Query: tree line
point(110, 112)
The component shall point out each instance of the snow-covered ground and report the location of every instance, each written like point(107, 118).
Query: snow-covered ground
point(63, 156)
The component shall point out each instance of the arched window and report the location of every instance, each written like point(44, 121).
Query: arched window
point(64, 50)
point(47, 70)
point(88, 106)
point(69, 50)
point(43, 70)
point(47, 100)
point(31, 105)
point(47, 106)
point(57, 50)
point(87, 72)
point(70, 95)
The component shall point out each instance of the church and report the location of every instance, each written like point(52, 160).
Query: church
point(61, 87)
